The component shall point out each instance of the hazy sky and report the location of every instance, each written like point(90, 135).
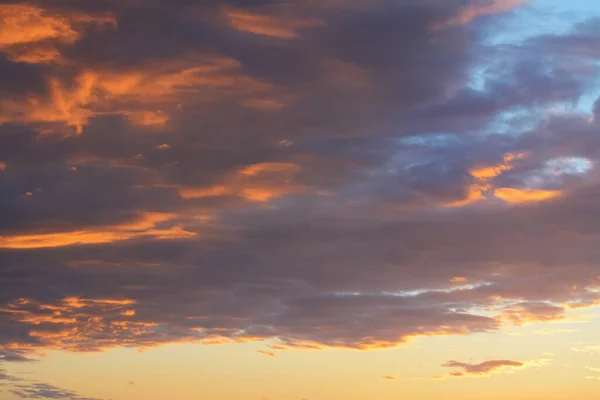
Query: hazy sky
point(299, 199)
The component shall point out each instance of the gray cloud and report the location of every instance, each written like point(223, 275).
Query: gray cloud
point(312, 187)
point(31, 389)
point(483, 368)
point(45, 391)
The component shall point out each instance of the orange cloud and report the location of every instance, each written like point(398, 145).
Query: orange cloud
point(145, 97)
point(264, 104)
point(519, 196)
point(283, 27)
point(78, 324)
point(148, 118)
point(266, 353)
point(482, 8)
point(259, 183)
point(484, 174)
point(27, 31)
point(145, 227)
point(388, 377)
point(77, 302)
point(525, 313)
point(23, 23)
point(268, 167)
point(474, 194)
point(261, 195)
point(35, 54)
point(200, 192)
point(491, 171)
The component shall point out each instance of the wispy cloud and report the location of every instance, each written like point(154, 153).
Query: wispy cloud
point(487, 368)
point(31, 389)
point(266, 353)
point(586, 349)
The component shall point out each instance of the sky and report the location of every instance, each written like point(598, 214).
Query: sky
point(299, 199)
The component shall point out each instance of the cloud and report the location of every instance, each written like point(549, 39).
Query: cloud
point(522, 313)
point(488, 172)
point(484, 368)
point(138, 95)
point(146, 226)
point(266, 353)
point(31, 389)
point(237, 171)
point(553, 331)
point(256, 183)
point(482, 8)
point(517, 196)
point(31, 34)
point(14, 356)
point(283, 28)
point(594, 370)
point(388, 377)
point(587, 349)
point(45, 391)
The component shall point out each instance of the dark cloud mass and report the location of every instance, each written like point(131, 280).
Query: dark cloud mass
point(336, 173)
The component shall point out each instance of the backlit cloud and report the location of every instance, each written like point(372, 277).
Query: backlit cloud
point(30, 34)
point(146, 226)
point(143, 96)
point(482, 8)
point(347, 174)
point(276, 26)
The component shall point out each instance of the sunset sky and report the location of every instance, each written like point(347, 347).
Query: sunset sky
point(300, 199)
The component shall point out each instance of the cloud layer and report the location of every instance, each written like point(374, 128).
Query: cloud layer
point(334, 174)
